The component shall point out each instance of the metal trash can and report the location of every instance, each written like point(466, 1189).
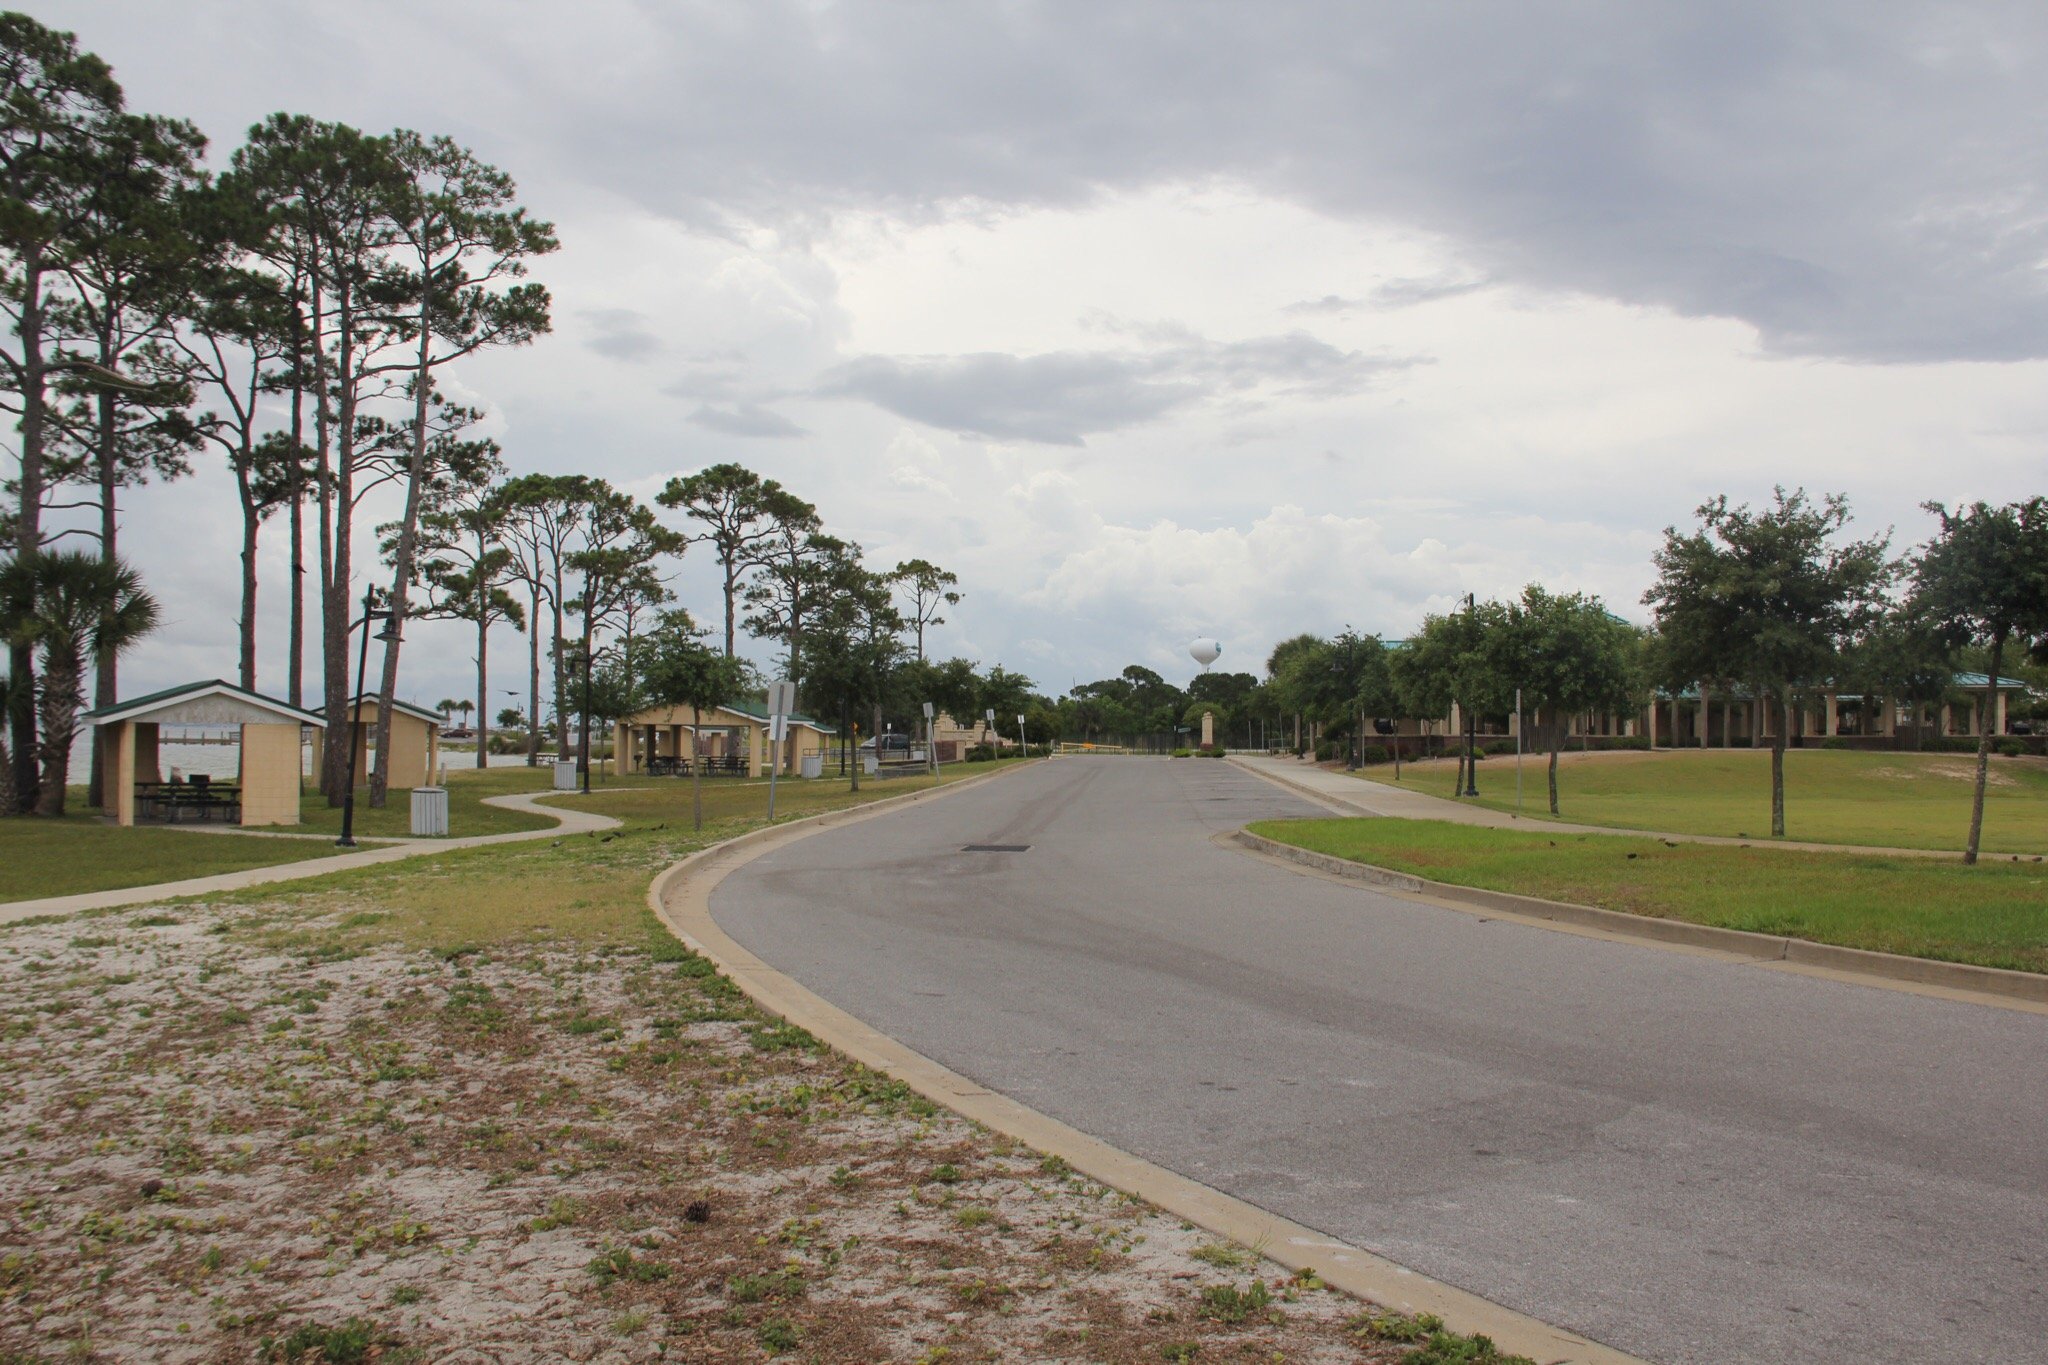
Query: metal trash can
point(813, 765)
point(429, 811)
point(869, 764)
point(565, 774)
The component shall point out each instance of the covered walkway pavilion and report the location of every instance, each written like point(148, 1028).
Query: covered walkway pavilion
point(734, 737)
point(268, 778)
point(1700, 717)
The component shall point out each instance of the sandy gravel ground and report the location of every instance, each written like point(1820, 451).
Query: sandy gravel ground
point(228, 1139)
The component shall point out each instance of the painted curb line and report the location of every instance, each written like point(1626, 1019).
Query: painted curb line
point(681, 898)
point(566, 822)
point(1955, 980)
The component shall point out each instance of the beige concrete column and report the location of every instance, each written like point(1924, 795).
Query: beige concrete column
point(1653, 722)
point(757, 750)
point(1998, 715)
point(1976, 718)
point(123, 776)
point(1889, 723)
point(1941, 719)
point(270, 774)
point(1705, 717)
point(1833, 712)
point(1727, 724)
point(1208, 729)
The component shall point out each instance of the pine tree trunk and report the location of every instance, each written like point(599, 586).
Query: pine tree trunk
point(295, 664)
point(562, 746)
point(1990, 708)
point(106, 668)
point(28, 522)
point(732, 589)
point(336, 467)
point(483, 686)
point(251, 520)
point(533, 679)
point(402, 565)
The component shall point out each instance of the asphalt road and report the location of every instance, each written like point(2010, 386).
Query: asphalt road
point(1688, 1159)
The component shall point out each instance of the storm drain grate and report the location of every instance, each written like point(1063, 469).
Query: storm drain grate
point(996, 848)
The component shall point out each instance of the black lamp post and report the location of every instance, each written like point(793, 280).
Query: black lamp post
point(371, 612)
point(1471, 725)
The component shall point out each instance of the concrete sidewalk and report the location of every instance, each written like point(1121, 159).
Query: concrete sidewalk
point(568, 822)
point(1365, 797)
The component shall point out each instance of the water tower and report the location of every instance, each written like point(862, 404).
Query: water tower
point(1205, 651)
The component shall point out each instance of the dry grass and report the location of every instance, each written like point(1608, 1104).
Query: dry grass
point(480, 1106)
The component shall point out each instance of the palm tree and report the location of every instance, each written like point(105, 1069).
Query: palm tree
point(8, 701)
point(72, 605)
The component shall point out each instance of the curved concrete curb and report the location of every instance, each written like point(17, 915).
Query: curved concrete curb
point(1957, 980)
point(681, 898)
point(566, 822)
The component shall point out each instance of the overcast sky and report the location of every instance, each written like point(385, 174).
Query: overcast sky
point(1161, 319)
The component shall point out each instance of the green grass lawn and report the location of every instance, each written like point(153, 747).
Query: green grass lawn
point(467, 815)
point(732, 802)
point(1994, 914)
point(1897, 800)
point(587, 889)
point(81, 853)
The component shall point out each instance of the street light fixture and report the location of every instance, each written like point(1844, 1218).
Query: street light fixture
point(371, 612)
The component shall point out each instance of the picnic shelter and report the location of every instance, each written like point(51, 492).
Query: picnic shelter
point(267, 781)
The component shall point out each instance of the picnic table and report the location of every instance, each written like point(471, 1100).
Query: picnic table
point(729, 765)
point(199, 797)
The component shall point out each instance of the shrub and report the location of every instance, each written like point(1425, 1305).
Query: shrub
point(1375, 753)
point(2011, 748)
point(1227, 1303)
point(1326, 750)
point(980, 753)
point(352, 1341)
point(1499, 746)
point(1183, 753)
point(1212, 753)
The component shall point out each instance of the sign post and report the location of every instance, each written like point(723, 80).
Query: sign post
point(1518, 749)
point(1023, 745)
point(931, 744)
point(781, 701)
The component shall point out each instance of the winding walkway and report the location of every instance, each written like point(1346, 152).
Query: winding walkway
point(567, 822)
